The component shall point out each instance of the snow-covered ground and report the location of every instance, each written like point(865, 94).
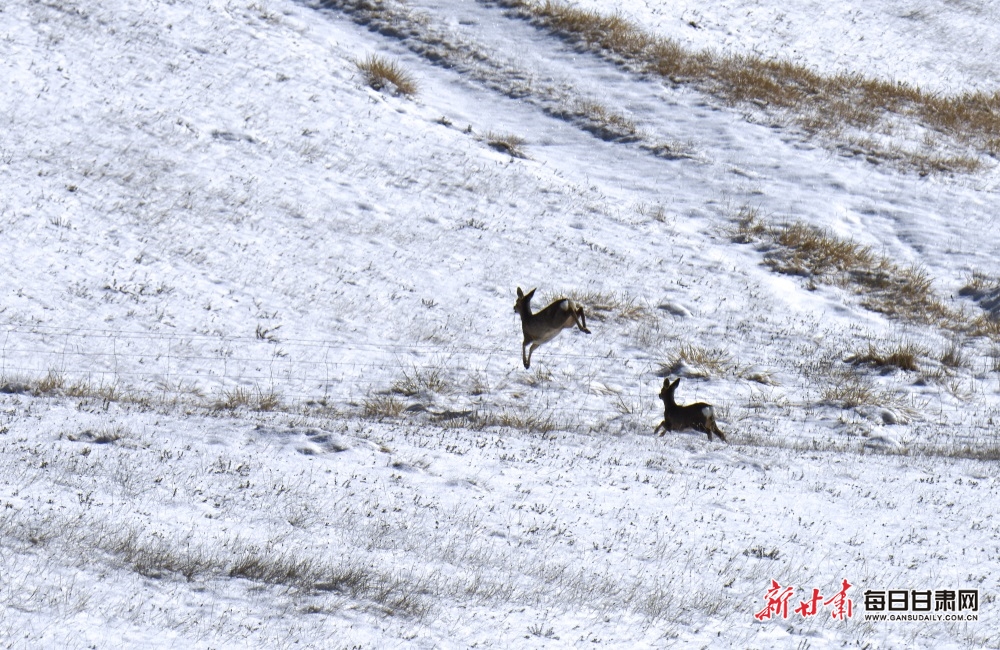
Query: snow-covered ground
point(200, 199)
point(938, 45)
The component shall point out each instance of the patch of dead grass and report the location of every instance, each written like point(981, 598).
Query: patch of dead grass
point(381, 73)
point(902, 356)
point(696, 361)
point(379, 406)
point(902, 292)
point(251, 398)
point(508, 143)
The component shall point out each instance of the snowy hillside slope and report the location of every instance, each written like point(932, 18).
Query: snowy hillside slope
point(935, 44)
point(230, 266)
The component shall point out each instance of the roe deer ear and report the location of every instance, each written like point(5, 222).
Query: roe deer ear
point(543, 326)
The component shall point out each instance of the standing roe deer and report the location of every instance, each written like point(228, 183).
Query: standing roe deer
point(545, 325)
point(700, 416)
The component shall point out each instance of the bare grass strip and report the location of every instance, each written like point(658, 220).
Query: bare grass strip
point(821, 102)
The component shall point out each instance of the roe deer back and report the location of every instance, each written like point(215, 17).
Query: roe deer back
point(700, 416)
point(545, 325)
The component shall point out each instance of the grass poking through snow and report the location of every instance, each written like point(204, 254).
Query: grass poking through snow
point(382, 73)
point(816, 102)
point(902, 292)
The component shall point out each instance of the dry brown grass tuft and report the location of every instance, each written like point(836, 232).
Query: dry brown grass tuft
point(696, 361)
point(381, 406)
point(902, 356)
point(507, 143)
point(53, 382)
point(522, 421)
point(801, 249)
point(603, 122)
point(253, 399)
point(985, 325)
point(384, 74)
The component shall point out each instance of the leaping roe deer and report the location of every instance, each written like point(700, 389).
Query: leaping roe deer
point(700, 416)
point(545, 325)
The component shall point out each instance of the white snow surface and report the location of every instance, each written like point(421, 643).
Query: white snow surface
point(204, 198)
point(937, 45)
